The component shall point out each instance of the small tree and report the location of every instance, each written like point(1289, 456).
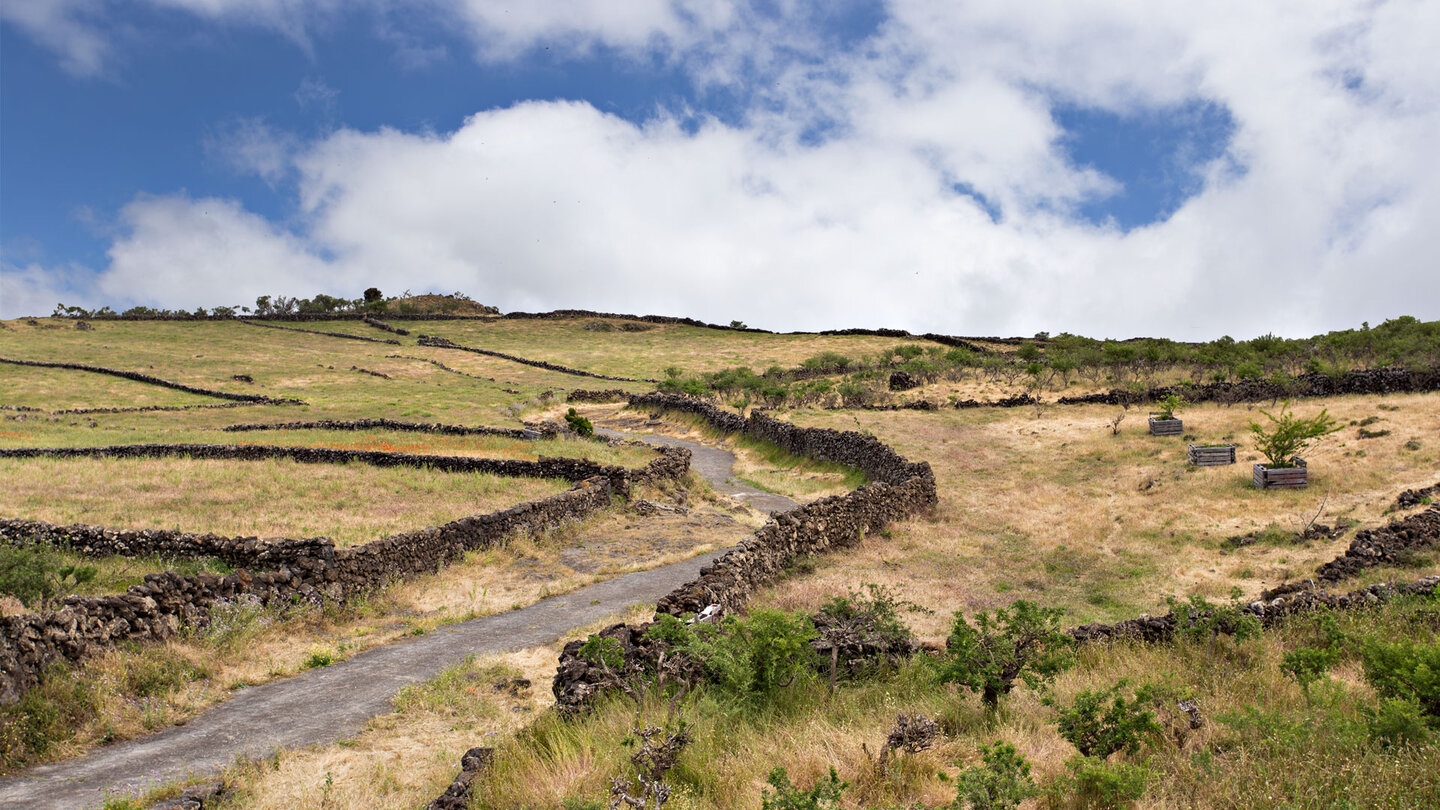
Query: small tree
point(1001, 783)
point(1022, 641)
point(1169, 404)
point(1102, 722)
point(579, 424)
point(373, 295)
point(1287, 435)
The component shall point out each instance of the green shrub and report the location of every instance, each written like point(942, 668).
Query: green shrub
point(1002, 782)
point(752, 656)
point(579, 424)
point(1169, 404)
point(1287, 435)
point(48, 713)
point(1101, 722)
point(1021, 641)
point(1095, 783)
point(823, 795)
point(1405, 670)
point(38, 576)
point(1199, 620)
point(1307, 665)
point(1397, 721)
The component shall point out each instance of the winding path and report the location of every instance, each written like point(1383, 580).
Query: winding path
point(321, 706)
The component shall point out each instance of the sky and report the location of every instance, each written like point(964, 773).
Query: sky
point(1112, 169)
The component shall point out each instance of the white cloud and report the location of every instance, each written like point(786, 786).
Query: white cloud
point(1331, 219)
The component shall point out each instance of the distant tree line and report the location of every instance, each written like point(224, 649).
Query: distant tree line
point(1056, 362)
point(372, 302)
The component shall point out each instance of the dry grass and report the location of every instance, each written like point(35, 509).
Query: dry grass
point(350, 503)
point(1058, 510)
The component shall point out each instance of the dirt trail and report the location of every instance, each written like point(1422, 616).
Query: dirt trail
point(324, 705)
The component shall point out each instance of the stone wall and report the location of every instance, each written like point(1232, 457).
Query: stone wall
point(282, 569)
point(580, 395)
point(443, 343)
point(318, 332)
point(1386, 544)
point(146, 378)
point(1162, 628)
point(900, 488)
point(385, 327)
point(1358, 381)
point(525, 434)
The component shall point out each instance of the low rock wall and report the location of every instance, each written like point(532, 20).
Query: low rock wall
point(342, 335)
point(608, 395)
point(283, 569)
point(900, 488)
point(529, 433)
point(384, 327)
point(443, 343)
point(1162, 628)
point(1384, 544)
point(146, 378)
point(1359, 381)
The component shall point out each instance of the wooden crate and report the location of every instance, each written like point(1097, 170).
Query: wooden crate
point(1166, 427)
point(1215, 456)
point(1296, 477)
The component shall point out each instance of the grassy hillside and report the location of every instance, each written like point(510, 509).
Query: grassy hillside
point(1059, 505)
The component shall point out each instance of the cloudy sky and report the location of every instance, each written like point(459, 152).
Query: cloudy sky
point(1105, 168)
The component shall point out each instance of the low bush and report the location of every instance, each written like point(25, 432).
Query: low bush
point(1022, 641)
point(1001, 782)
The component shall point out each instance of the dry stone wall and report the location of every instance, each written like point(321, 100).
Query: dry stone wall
point(443, 343)
point(318, 332)
point(527, 433)
point(384, 327)
point(1385, 544)
point(146, 378)
point(899, 488)
point(270, 570)
point(1162, 628)
point(1359, 381)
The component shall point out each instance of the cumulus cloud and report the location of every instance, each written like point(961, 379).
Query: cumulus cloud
point(842, 196)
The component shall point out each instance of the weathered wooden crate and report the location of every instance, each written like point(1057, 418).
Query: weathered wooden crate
point(1296, 477)
point(1166, 427)
point(1212, 455)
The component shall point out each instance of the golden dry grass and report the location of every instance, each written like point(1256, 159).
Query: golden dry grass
point(350, 503)
point(1057, 510)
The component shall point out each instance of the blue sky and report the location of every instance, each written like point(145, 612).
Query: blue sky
point(978, 169)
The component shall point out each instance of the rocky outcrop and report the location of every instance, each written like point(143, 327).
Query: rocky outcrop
point(149, 380)
point(903, 381)
point(1386, 544)
point(443, 343)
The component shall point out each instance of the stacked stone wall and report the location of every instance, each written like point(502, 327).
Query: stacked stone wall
point(318, 332)
point(146, 378)
point(443, 343)
point(525, 434)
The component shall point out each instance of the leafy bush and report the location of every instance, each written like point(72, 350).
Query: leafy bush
point(830, 362)
point(1169, 404)
point(752, 656)
point(38, 576)
point(858, 624)
point(1397, 721)
point(1021, 641)
point(1199, 620)
point(1102, 722)
point(1287, 435)
point(1002, 782)
point(1307, 665)
point(579, 424)
point(823, 795)
point(1093, 782)
point(1405, 670)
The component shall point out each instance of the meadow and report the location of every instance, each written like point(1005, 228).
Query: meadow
point(1062, 506)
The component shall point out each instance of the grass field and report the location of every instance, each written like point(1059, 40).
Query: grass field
point(1050, 506)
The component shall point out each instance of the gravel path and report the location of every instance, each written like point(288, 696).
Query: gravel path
point(321, 706)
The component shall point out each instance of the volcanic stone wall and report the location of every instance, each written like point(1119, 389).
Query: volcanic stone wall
point(528, 433)
point(1358, 381)
point(608, 395)
point(284, 569)
point(1162, 628)
point(570, 469)
point(146, 378)
point(318, 332)
point(381, 325)
point(1385, 544)
point(443, 343)
point(899, 488)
